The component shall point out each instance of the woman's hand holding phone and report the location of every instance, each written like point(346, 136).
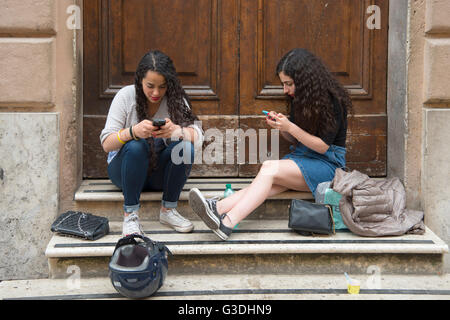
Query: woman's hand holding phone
point(167, 130)
point(144, 129)
point(277, 120)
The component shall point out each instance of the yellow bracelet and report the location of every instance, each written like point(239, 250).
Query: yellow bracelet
point(118, 136)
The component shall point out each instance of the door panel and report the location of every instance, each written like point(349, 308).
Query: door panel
point(183, 29)
point(199, 35)
point(336, 32)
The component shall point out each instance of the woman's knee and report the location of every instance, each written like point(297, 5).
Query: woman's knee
point(183, 152)
point(289, 175)
point(270, 167)
point(280, 171)
point(138, 148)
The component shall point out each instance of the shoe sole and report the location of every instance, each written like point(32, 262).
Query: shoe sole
point(142, 233)
point(220, 234)
point(178, 229)
point(199, 206)
point(136, 233)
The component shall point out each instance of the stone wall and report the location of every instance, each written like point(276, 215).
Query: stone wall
point(427, 155)
point(39, 129)
point(436, 118)
point(29, 164)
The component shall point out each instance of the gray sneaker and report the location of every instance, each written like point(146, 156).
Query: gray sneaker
point(175, 220)
point(223, 232)
point(205, 209)
point(131, 225)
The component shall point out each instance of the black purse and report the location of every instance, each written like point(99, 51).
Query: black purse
point(80, 224)
point(308, 218)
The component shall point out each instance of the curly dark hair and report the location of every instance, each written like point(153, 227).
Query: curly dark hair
point(311, 108)
point(179, 113)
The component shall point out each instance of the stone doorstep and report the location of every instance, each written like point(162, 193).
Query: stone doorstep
point(258, 246)
point(251, 237)
point(101, 197)
point(105, 190)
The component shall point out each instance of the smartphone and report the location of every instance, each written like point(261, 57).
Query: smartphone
point(267, 113)
point(159, 122)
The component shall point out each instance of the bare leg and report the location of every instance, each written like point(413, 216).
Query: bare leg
point(226, 204)
point(283, 173)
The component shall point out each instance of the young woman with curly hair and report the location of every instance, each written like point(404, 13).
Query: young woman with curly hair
point(141, 154)
point(317, 129)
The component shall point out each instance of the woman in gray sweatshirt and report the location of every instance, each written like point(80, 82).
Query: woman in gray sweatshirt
point(144, 155)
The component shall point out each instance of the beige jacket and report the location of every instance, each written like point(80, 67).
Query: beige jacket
point(374, 208)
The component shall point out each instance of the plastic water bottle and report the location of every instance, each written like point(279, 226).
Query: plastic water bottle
point(228, 190)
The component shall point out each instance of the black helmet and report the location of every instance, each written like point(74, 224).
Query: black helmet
point(138, 269)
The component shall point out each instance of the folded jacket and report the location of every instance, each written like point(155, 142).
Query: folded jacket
point(375, 208)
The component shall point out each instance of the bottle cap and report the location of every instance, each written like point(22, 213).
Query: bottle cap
point(228, 186)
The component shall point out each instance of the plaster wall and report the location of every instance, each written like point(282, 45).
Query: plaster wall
point(428, 97)
point(40, 128)
point(434, 101)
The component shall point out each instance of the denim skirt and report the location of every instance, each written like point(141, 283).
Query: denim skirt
point(316, 167)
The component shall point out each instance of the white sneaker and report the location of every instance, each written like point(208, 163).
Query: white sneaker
point(131, 225)
point(174, 220)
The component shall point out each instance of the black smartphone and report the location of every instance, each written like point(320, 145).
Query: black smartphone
point(158, 122)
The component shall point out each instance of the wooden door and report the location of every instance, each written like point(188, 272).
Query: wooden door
point(225, 53)
point(337, 32)
point(199, 35)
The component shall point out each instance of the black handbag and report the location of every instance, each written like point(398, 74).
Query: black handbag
point(81, 224)
point(308, 218)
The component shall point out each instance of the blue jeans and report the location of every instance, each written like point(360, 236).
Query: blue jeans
point(128, 171)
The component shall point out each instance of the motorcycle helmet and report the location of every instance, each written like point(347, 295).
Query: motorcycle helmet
point(138, 268)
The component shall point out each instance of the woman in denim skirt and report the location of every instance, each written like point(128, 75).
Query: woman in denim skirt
point(317, 129)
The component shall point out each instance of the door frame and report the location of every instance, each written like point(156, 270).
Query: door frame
point(396, 88)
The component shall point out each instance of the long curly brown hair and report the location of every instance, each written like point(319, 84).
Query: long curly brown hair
point(179, 113)
point(311, 108)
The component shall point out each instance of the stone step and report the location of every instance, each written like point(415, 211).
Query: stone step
point(102, 197)
point(223, 289)
point(105, 190)
point(258, 247)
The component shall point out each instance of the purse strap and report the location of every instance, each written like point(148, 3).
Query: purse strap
point(71, 213)
point(330, 210)
point(82, 216)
